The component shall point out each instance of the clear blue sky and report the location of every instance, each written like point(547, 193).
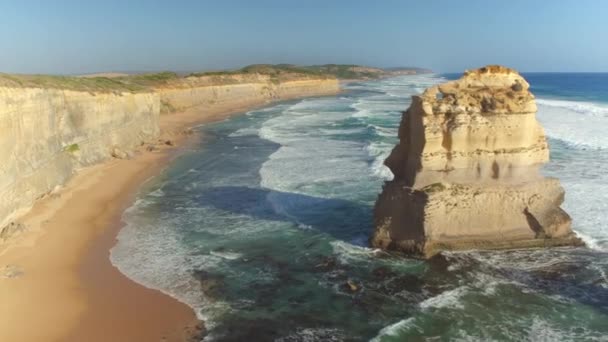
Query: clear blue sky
point(88, 36)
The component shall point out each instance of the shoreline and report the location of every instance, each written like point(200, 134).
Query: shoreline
point(57, 282)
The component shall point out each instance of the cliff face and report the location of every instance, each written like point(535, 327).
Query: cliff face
point(47, 134)
point(250, 90)
point(467, 171)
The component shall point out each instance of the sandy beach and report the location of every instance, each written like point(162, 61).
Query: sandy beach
point(56, 279)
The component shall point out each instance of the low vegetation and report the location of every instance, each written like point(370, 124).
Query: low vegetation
point(167, 107)
point(103, 84)
point(73, 148)
point(348, 71)
point(341, 71)
point(146, 82)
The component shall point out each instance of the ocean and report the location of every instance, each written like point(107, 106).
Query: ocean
point(263, 228)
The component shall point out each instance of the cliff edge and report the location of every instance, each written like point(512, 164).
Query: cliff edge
point(51, 126)
point(467, 172)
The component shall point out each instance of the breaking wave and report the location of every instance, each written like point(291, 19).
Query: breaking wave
point(581, 124)
point(263, 231)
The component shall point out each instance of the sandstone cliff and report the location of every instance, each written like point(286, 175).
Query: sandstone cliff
point(467, 171)
point(47, 132)
point(239, 90)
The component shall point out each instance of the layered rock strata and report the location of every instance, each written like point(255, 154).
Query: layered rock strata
point(47, 134)
point(466, 172)
point(245, 90)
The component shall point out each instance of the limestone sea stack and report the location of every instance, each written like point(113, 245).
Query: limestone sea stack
point(467, 172)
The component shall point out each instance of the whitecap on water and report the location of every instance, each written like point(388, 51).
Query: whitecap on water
point(309, 159)
point(314, 335)
point(394, 330)
point(157, 193)
point(541, 330)
point(155, 258)
point(348, 253)
point(309, 154)
point(582, 124)
point(579, 155)
point(244, 132)
point(226, 255)
point(384, 131)
point(446, 299)
point(380, 151)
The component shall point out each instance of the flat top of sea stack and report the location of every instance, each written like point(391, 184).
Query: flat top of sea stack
point(493, 89)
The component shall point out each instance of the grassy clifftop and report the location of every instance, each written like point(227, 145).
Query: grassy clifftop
point(340, 71)
point(148, 82)
point(133, 83)
point(275, 73)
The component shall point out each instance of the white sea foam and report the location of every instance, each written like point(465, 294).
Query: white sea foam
point(581, 107)
point(244, 132)
point(392, 98)
point(295, 168)
point(312, 161)
point(153, 257)
point(446, 299)
point(581, 124)
point(590, 241)
point(382, 106)
point(380, 151)
point(584, 178)
point(226, 255)
point(351, 254)
point(157, 193)
point(588, 215)
point(419, 90)
point(150, 252)
point(541, 330)
point(309, 156)
point(336, 131)
point(348, 253)
point(603, 274)
point(384, 131)
point(314, 335)
point(394, 330)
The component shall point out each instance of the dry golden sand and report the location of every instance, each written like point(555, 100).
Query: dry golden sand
point(68, 289)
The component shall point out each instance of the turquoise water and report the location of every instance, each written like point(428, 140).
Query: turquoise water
point(263, 230)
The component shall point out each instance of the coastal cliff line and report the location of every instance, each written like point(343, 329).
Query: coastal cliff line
point(467, 172)
point(52, 126)
point(239, 90)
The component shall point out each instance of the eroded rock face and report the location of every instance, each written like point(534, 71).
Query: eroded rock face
point(46, 134)
point(467, 171)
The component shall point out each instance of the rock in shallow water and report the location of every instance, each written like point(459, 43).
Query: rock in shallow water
point(467, 172)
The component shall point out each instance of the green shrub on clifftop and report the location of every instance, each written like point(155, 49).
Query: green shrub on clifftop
point(73, 148)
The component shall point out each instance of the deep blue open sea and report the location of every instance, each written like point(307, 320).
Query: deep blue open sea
point(260, 227)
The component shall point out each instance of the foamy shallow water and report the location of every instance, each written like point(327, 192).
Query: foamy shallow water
point(260, 228)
